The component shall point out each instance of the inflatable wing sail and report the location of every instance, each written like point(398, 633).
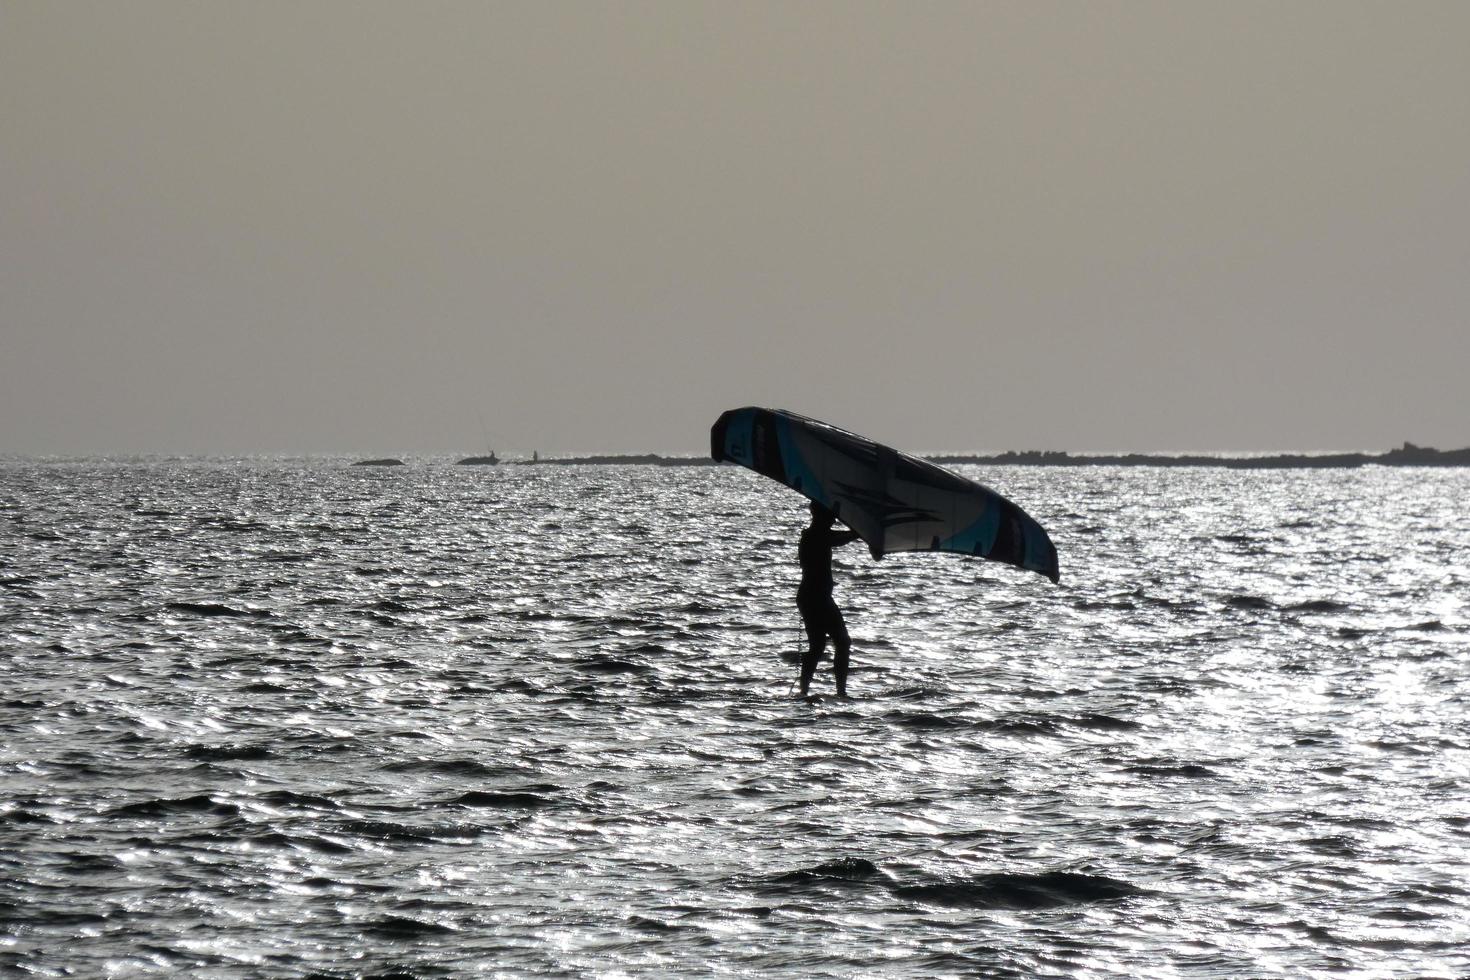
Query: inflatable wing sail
point(894, 501)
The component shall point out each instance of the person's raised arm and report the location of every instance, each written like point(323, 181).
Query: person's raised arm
point(840, 538)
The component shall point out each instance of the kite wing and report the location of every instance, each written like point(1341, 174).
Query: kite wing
point(894, 501)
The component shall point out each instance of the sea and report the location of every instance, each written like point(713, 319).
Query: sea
point(287, 717)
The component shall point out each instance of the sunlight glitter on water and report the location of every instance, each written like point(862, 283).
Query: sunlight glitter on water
point(535, 719)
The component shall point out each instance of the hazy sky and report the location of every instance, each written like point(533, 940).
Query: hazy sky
point(402, 227)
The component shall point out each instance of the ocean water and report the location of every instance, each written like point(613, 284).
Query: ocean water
point(275, 718)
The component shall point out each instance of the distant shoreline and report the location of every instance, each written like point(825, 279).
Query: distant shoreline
point(1406, 455)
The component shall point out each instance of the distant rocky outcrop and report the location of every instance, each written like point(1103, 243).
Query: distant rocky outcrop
point(386, 461)
point(491, 460)
point(1412, 455)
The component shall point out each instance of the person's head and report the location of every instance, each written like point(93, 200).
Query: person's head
point(821, 515)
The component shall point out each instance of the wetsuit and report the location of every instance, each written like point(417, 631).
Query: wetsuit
point(818, 611)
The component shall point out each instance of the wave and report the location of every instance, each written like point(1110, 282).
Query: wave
point(406, 927)
point(307, 801)
point(162, 807)
point(230, 752)
point(504, 800)
point(1187, 770)
point(1012, 890)
point(842, 872)
point(389, 831)
point(451, 767)
point(611, 665)
point(300, 842)
point(1005, 890)
point(1249, 602)
point(1318, 606)
point(215, 609)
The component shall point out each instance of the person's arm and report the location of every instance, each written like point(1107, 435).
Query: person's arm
point(840, 538)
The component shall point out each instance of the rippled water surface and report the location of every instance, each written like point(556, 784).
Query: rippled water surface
point(276, 717)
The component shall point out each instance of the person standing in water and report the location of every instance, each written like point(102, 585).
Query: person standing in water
point(819, 612)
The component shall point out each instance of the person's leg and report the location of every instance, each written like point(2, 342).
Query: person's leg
point(842, 644)
point(816, 642)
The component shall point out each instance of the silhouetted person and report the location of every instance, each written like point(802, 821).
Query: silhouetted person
point(814, 597)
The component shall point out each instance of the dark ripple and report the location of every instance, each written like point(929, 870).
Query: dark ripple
point(1318, 606)
point(611, 665)
point(1187, 770)
point(406, 927)
point(201, 803)
point(212, 609)
point(300, 841)
point(1249, 603)
point(406, 833)
point(286, 797)
point(1053, 889)
point(505, 801)
point(843, 873)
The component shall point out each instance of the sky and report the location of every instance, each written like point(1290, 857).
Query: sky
point(395, 228)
